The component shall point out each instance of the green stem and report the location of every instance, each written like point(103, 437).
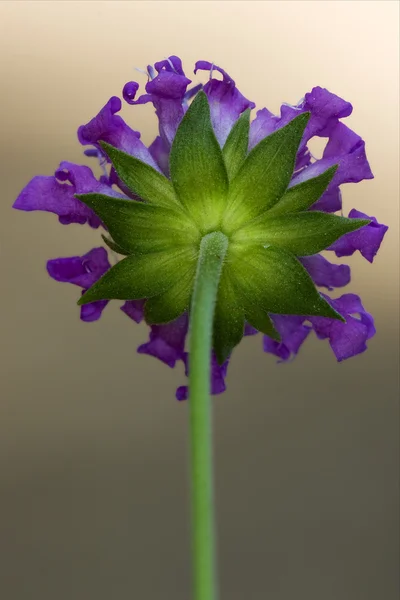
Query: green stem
point(213, 248)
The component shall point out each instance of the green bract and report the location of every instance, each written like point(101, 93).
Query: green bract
point(244, 196)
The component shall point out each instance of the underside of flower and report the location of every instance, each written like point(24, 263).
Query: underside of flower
point(242, 196)
point(214, 170)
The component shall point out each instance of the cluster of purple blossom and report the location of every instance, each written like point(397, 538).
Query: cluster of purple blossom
point(167, 89)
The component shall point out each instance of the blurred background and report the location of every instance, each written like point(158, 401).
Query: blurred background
point(93, 445)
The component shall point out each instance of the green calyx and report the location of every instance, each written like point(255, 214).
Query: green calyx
point(242, 195)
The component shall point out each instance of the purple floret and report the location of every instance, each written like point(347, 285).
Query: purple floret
point(226, 102)
point(366, 240)
point(166, 89)
point(293, 333)
point(349, 338)
point(83, 271)
point(109, 127)
point(324, 273)
point(167, 342)
point(217, 384)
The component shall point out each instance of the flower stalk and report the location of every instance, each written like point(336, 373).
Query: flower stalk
point(213, 249)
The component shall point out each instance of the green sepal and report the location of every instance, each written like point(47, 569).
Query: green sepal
point(169, 305)
point(141, 276)
point(254, 314)
point(141, 178)
point(302, 233)
point(277, 282)
point(261, 321)
point(197, 166)
point(302, 196)
point(228, 318)
point(265, 174)
point(114, 246)
point(236, 145)
point(140, 227)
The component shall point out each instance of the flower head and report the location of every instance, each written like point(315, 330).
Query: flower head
point(213, 169)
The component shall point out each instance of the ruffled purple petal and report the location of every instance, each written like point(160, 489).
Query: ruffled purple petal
point(80, 270)
point(166, 90)
point(325, 108)
point(325, 273)
point(349, 338)
point(167, 342)
point(134, 309)
point(218, 374)
point(109, 127)
point(83, 271)
point(293, 333)
point(226, 102)
point(344, 147)
point(366, 240)
point(56, 194)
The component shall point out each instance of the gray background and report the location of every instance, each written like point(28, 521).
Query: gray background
point(93, 446)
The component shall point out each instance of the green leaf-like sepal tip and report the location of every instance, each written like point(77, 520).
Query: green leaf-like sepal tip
point(244, 196)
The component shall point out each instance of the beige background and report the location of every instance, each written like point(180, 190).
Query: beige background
point(92, 444)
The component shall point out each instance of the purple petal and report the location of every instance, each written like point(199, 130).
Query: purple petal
point(366, 240)
point(263, 125)
point(249, 329)
point(218, 374)
point(349, 338)
point(293, 333)
point(324, 273)
point(83, 271)
point(134, 309)
point(182, 393)
point(92, 312)
point(167, 342)
point(330, 201)
point(226, 102)
point(80, 270)
point(111, 128)
point(172, 64)
point(166, 90)
point(344, 147)
point(326, 109)
point(160, 152)
point(57, 194)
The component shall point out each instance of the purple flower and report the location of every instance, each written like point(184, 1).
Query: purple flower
point(324, 273)
point(226, 102)
point(349, 338)
point(167, 342)
point(168, 90)
point(134, 309)
point(83, 271)
point(366, 240)
point(218, 374)
point(344, 147)
point(293, 333)
point(56, 194)
point(109, 127)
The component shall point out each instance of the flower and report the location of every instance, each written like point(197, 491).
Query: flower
point(211, 169)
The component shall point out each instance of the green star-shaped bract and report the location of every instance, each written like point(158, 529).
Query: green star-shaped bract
point(245, 197)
